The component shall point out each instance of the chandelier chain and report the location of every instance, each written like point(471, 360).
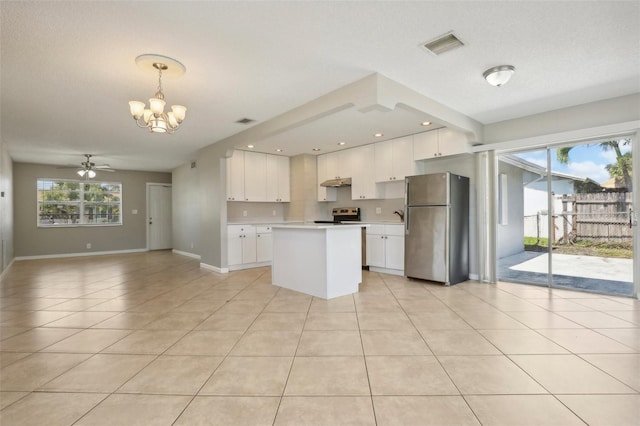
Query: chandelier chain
point(159, 93)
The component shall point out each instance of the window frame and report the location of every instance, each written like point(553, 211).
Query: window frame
point(80, 203)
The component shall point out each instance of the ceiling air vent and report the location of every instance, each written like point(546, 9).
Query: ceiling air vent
point(443, 44)
point(245, 121)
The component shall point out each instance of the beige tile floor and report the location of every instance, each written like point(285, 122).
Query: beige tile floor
point(152, 339)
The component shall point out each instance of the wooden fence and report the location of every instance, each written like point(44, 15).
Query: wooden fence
point(597, 216)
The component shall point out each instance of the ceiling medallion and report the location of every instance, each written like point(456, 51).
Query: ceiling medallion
point(154, 118)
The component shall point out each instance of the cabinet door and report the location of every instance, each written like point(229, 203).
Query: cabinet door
point(264, 248)
point(375, 250)
point(425, 145)
point(234, 249)
point(272, 178)
point(394, 252)
point(345, 163)
point(324, 194)
point(331, 166)
point(283, 178)
point(249, 254)
point(255, 176)
point(383, 161)
point(235, 176)
point(363, 181)
point(451, 142)
point(402, 158)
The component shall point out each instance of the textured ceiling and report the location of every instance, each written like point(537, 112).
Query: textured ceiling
point(68, 68)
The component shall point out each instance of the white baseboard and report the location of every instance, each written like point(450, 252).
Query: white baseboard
point(214, 268)
point(7, 268)
point(387, 271)
point(93, 253)
point(186, 253)
point(248, 266)
point(474, 277)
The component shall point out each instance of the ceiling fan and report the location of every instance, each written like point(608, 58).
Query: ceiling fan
point(88, 168)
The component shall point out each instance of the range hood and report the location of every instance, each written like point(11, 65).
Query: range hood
point(337, 183)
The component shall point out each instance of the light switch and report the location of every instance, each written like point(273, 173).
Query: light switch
point(378, 210)
point(134, 211)
point(244, 213)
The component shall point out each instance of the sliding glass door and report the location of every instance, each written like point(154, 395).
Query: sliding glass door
point(567, 221)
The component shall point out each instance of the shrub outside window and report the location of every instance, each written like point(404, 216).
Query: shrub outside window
point(78, 203)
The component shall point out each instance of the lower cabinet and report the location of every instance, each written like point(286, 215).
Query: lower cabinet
point(385, 247)
point(264, 246)
point(248, 246)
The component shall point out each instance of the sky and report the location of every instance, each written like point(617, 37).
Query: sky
point(584, 161)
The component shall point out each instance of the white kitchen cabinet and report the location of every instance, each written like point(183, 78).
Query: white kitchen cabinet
point(323, 173)
point(385, 247)
point(241, 244)
point(338, 164)
point(277, 178)
point(439, 143)
point(264, 244)
point(394, 159)
point(258, 177)
point(255, 176)
point(235, 176)
point(363, 180)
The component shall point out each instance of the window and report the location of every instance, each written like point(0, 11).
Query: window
point(78, 203)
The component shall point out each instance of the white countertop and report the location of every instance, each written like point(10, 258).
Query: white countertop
point(300, 225)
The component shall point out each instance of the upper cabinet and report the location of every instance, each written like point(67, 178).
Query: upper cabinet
point(394, 159)
point(235, 176)
point(278, 178)
point(363, 179)
point(257, 177)
point(439, 143)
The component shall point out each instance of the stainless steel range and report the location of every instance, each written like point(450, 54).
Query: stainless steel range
point(342, 215)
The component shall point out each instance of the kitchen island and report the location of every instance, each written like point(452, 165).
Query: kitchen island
point(322, 260)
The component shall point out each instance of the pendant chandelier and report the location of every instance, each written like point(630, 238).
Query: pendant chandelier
point(154, 118)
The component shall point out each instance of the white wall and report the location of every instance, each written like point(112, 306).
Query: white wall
point(186, 209)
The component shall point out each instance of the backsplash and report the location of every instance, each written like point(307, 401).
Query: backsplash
point(367, 207)
point(241, 212)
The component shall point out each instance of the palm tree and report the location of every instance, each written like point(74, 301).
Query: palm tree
point(620, 169)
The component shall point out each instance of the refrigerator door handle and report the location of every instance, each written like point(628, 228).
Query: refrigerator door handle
point(406, 221)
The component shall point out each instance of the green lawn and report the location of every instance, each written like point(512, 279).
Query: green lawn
point(622, 250)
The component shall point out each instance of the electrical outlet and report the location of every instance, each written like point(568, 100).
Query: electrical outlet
point(88, 245)
point(134, 211)
point(244, 213)
point(192, 244)
point(274, 212)
point(378, 210)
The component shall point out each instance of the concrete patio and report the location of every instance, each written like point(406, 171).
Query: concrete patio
point(588, 273)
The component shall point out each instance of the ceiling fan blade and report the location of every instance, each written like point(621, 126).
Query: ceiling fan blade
point(105, 170)
point(103, 166)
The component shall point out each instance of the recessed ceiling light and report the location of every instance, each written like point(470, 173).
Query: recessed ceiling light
point(316, 149)
point(342, 143)
point(249, 146)
point(425, 123)
point(378, 135)
point(278, 150)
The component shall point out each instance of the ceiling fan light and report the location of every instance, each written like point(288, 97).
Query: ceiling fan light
point(136, 108)
point(179, 112)
point(91, 174)
point(500, 75)
point(157, 105)
point(81, 172)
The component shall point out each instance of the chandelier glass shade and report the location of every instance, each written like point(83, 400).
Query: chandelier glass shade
point(154, 118)
point(88, 174)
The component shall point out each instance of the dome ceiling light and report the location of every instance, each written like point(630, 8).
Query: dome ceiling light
point(154, 118)
point(497, 76)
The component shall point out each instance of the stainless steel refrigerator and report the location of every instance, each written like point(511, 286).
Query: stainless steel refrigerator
point(437, 228)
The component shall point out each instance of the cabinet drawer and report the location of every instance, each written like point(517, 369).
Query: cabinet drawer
point(375, 230)
point(241, 229)
point(263, 229)
point(394, 229)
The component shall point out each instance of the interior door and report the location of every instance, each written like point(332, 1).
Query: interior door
point(159, 220)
